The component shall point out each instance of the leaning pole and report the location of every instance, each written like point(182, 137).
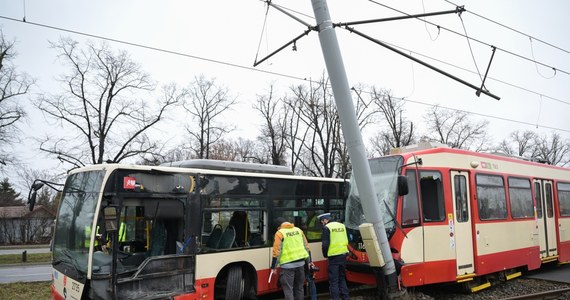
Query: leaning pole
point(353, 139)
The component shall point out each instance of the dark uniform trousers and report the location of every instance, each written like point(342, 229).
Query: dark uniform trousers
point(337, 279)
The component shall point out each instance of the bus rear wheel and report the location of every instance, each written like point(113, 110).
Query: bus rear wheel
point(235, 284)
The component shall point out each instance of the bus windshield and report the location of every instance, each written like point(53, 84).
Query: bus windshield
point(75, 218)
point(384, 173)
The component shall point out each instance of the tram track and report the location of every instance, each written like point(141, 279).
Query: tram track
point(516, 289)
point(554, 294)
point(369, 293)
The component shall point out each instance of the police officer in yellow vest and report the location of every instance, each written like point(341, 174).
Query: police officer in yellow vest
point(290, 251)
point(335, 248)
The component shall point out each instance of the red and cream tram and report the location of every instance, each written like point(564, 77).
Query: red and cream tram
point(468, 216)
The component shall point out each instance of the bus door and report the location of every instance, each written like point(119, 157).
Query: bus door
point(460, 224)
point(545, 218)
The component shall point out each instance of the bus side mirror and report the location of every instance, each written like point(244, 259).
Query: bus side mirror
point(33, 194)
point(32, 200)
point(402, 185)
point(346, 190)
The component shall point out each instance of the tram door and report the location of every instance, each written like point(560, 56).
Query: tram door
point(545, 218)
point(461, 228)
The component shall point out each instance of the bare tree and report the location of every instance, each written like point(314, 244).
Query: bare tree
point(316, 141)
point(399, 131)
point(12, 85)
point(101, 112)
point(454, 128)
point(274, 130)
point(317, 112)
point(243, 150)
point(380, 146)
point(175, 154)
point(519, 144)
point(297, 134)
point(208, 101)
point(553, 150)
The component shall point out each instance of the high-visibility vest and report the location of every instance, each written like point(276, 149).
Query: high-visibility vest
point(339, 240)
point(313, 230)
point(87, 232)
point(122, 232)
point(293, 246)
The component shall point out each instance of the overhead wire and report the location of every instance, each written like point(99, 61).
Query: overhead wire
point(476, 40)
point(535, 65)
point(471, 49)
point(489, 77)
point(510, 28)
point(262, 31)
point(425, 26)
point(415, 101)
point(286, 75)
point(156, 49)
point(483, 115)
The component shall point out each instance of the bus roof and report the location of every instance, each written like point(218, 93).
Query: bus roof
point(211, 164)
point(204, 169)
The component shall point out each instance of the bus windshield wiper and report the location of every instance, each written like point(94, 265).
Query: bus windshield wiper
point(69, 258)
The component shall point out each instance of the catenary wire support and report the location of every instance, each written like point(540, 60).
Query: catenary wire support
point(293, 41)
point(478, 93)
point(458, 10)
point(352, 30)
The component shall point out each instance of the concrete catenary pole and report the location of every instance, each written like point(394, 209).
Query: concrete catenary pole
point(352, 135)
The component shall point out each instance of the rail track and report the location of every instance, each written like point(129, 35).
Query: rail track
point(554, 294)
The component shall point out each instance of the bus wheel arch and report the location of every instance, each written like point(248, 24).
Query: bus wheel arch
point(236, 281)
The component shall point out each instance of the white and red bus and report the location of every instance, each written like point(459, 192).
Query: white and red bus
point(468, 217)
point(196, 229)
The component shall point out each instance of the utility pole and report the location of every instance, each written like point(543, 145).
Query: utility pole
point(354, 143)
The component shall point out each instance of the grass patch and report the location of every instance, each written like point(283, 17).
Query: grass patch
point(30, 258)
point(25, 290)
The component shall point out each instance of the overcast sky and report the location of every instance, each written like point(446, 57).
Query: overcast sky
point(174, 41)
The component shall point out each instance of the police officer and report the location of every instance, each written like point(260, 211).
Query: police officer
point(290, 251)
point(334, 247)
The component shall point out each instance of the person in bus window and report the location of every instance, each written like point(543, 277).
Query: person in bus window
point(241, 225)
point(314, 227)
point(291, 251)
point(335, 248)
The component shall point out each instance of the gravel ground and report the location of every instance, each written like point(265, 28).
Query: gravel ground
point(516, 287)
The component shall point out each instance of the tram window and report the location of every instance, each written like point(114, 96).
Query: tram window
point(520, 198)
point(491, 199)
point(548, 198)
point(461, 198)
point(410, 208)
point(538, 199)
point(564, 198)
point(431, 188)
